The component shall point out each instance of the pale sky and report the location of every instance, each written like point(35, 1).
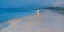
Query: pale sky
point(30, 3)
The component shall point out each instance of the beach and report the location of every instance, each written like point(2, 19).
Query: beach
point(47, 21)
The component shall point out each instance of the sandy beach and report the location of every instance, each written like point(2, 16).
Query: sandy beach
point(47, 21)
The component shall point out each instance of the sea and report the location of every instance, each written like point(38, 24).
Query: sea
point(12, 13)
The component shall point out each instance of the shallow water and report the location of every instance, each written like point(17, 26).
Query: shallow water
point(11, 13)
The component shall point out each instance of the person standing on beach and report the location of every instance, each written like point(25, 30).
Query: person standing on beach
point(37, 12)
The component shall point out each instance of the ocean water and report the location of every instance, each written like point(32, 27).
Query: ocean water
point(11, 13)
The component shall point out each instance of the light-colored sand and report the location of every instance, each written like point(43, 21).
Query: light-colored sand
point(46, 21)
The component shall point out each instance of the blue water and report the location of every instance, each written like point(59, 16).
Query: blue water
point(11, 13)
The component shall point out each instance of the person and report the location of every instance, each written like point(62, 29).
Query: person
point(37, 12)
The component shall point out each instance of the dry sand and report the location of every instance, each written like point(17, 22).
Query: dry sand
point(47, 21)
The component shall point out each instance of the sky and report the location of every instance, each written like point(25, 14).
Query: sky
point(30, 3)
